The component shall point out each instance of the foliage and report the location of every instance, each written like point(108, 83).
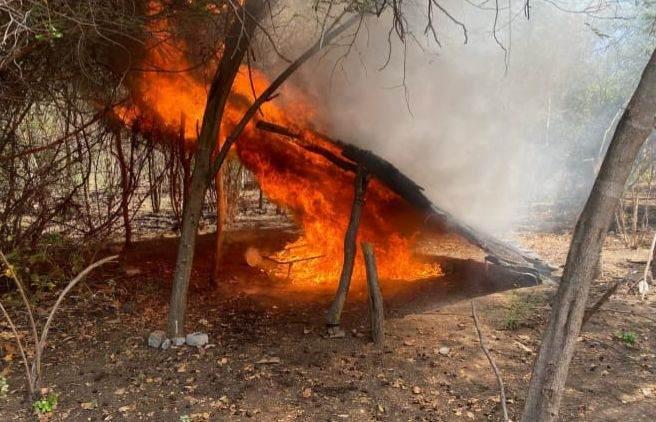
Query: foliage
point(522, 307)
point(52, 261)
point(627, 337)
point(46, 404)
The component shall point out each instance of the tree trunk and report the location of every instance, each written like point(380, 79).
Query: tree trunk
point(238, 35)
point(221, 218)
point(552, 363)
point(125, 188)
point(335, 311)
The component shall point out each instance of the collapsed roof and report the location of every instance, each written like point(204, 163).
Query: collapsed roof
point(499, 252)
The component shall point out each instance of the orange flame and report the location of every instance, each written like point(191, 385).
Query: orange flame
point(318, 193)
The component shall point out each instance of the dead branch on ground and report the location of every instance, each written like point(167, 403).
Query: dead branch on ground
point(497, 374)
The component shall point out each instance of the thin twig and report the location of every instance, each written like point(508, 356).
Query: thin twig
point(20, 348)
point(28, 307)
point(62, 295)
point(502, 390)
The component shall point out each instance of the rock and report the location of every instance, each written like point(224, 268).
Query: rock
point(336, 332)
point(156, 338)
point(444, 351)
point(178, 341)
point(197, 339)
point(166, 344)
point(416, 390)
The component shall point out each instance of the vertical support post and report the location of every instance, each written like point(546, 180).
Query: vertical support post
point(376, 311)
point(335, 311)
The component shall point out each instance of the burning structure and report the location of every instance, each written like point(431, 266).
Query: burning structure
point(327, 185)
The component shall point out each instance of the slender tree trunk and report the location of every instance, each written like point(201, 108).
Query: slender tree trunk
point(125, 188)
point(221, 218)
point(335, 311)
point(236, 44)
point(552, 363)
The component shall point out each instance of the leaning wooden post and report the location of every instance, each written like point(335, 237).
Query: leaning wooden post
point(376, 313)
point(335, 311)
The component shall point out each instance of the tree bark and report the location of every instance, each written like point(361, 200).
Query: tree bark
point(335, 311)
point(236, 44)
point(376, 310)
point(221, 218)
point(125, 188)
point(552, 363)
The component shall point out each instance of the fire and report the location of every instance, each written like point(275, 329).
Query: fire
point(318, 193)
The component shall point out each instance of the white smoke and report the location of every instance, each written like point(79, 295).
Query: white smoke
point(482, 139)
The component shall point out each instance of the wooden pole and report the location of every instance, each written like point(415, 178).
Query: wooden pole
point(376, 312)
point(559, 340)
point(335, 311)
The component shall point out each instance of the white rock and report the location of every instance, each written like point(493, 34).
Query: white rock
point(156, 338)
point(444, 351)
point(178, 341)
point(166, 344)
point(197, 339)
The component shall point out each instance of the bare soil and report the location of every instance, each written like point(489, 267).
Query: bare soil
point(270, 360)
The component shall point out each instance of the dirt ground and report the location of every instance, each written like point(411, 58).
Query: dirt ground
point(269, 358)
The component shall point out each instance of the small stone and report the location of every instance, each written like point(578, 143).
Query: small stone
point(307, 392)
point(178, 341)
point(166, 344)
point(444, 351)
point(416, 390)
point(156, 338)
point(197, 339)
point(336, 332)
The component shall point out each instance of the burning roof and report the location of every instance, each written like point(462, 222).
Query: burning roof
point(347, 157)
point(312, 176)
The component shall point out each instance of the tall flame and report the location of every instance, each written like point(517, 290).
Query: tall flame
point(318, 193)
